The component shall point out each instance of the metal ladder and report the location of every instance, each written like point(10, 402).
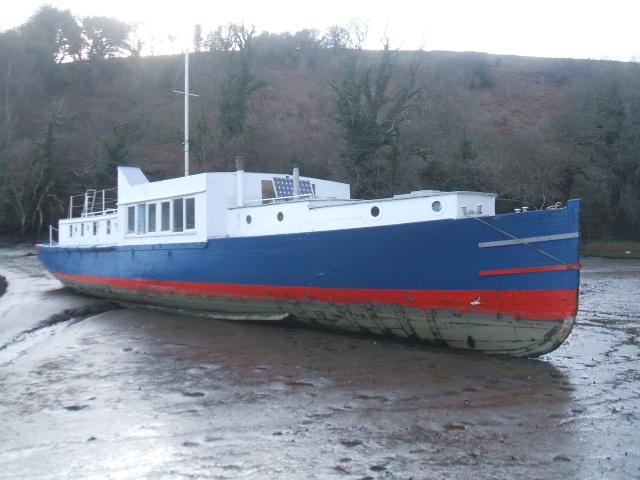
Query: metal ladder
point(89, 201)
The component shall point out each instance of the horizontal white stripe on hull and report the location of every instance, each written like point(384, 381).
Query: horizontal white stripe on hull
point(520, 241)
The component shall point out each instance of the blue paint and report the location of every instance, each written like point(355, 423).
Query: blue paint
point(433, 255)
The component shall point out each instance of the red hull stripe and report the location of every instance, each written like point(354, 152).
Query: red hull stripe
point(514, 271)
point(527, 304)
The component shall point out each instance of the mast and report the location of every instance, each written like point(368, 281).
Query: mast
point(186, 113)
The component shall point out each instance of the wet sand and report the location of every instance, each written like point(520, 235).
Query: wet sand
point(131, 393)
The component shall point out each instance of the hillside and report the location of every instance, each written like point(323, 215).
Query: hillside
point(533, 130)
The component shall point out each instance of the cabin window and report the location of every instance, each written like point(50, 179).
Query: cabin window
point(151, 213)
point(178, 215)
point(189, 213)
point(82, 230)
point(108, 227)
point(131, 219)
point(142, 219)
point(70, 230)
point(165, 208)
point(375, 211)
point(95, 228)
point(280, 216)
point(248, 219)
point(436, 206)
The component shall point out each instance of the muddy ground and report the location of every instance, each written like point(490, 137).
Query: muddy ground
point(93, 391)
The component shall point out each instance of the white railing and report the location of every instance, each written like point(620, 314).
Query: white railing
point(93, 202)
point(51, 240)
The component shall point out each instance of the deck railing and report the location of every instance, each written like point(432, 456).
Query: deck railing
point(93, 202)
point(51, 240)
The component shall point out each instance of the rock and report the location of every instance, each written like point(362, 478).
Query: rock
point(193, 394)
point(351, 443)
point(372, 397)
point(561, 458)
point(294, 383)
point(454, 426)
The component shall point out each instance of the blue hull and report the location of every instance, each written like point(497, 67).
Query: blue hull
point(472, 268)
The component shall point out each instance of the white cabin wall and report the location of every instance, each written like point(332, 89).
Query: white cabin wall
point(217, 213)
point(323, 188)
point(305, 216)
point(220, 196)
point(311, 216)
point(329, 189)
point(171, 188)
point(88, 238)
point(193, 186)
point(199, 234)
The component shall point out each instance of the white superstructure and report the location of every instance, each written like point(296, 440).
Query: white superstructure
point(239, 204)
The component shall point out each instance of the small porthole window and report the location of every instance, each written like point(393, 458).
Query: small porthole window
point(375, 211)
point(248, 219)
point(280, 216)
point(436, 206)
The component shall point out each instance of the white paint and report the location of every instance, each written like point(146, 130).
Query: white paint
point(239, 187)
point(217, 197)
point(520, 241)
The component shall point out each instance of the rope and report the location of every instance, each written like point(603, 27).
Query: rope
point(553, 257)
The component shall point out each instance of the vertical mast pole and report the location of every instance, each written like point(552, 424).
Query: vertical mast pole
point(186, 113)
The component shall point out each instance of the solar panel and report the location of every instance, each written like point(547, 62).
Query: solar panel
point(284, 187)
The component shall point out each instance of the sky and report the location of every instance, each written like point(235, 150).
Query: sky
point(604, 29)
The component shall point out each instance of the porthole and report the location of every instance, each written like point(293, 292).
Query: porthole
point(248, 219)
point(375, 211)
point(436, 206)
point(280, 216)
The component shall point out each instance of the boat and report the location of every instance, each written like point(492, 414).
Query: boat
point(429, 266)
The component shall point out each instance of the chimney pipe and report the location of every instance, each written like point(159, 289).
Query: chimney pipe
point(240, 180)
point(296, 181)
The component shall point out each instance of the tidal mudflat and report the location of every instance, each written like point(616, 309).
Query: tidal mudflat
point(91, 390)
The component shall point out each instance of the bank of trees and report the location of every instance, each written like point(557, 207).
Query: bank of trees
point(77, 99)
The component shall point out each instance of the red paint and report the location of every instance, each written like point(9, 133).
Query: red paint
point(528, 304)
point(513, 271)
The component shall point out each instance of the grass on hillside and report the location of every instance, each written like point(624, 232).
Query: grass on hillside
point(611, 249)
